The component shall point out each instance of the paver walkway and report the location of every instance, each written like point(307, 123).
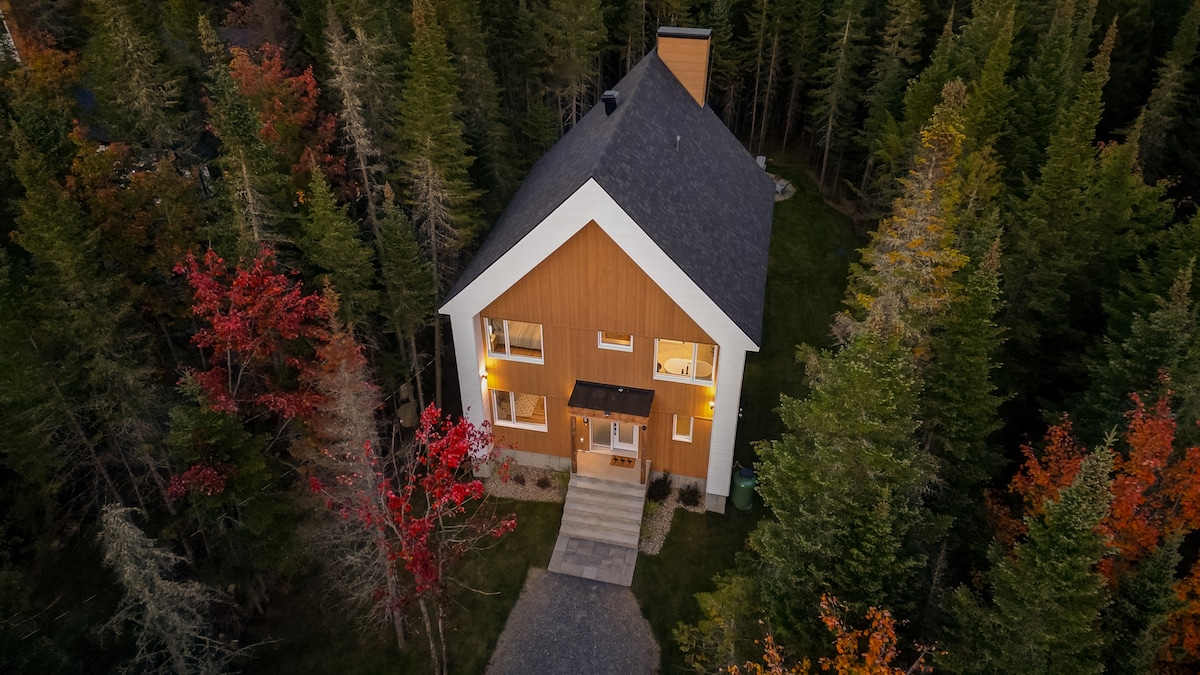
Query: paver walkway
point(594, 560)
point(569, 625)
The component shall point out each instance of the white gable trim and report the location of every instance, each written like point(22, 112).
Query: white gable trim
point(591, 202)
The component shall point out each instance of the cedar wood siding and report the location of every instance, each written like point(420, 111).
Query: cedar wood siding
point(589, 284)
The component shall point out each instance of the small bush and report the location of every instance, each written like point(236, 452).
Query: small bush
point(690, 495)
point(519, 479)
point(543, 482)
point(660, 488)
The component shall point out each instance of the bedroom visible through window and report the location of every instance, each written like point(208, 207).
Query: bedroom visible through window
point(681, 428)
point(516, 340)
point(523, 411)
point(622, 342)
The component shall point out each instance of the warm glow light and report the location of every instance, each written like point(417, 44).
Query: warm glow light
point(712, 404)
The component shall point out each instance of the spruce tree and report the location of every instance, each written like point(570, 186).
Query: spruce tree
point(840, 90)
point(440, 194)
point(331, 244)
point(1161, 112)
point(1046, 596)
point(250, 179)
point(571, 33)
point(126, 68)
point(890, 73)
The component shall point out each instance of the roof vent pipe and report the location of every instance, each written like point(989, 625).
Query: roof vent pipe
point(610, 100)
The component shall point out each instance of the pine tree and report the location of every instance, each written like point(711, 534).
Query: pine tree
point(408, 284)
point(960, 403)
point(139, 94)
point(169, 617)
point(571, 34)
point(890, 72)
point(1049, 237)
point(331, 244)
point(249, 177)
point(833, 531)
point(1046, 597)
point(1160, 114)
point(903, 281)
point(838, 97)
point(1163, 341)
point(436, 162)
point(1053, 75)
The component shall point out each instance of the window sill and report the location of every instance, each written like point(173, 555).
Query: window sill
point(520, 425)
point(518, 359)
point(682, 379)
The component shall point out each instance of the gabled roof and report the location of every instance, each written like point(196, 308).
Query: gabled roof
point(679, 174)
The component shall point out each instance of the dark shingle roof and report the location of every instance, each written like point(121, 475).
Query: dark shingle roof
point(677, 171)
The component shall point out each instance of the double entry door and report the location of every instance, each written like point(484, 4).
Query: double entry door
point(618, 438)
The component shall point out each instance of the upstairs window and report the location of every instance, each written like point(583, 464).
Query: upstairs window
point(515, 340)
point(693, 362)
point(621, 342)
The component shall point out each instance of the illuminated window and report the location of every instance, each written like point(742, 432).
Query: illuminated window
point(681, 428)
point(524, 411)
point(622, 342)
point(515, 340)
point(693, 362)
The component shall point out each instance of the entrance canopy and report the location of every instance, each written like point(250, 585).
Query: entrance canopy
point(623, 404)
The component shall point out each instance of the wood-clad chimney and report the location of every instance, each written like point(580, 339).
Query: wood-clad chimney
point(685, 52)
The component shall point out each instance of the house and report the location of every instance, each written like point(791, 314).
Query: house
point(604, 323)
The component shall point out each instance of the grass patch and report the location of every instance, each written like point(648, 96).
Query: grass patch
point(700, 546)
point(310, 635)
point(812, 246)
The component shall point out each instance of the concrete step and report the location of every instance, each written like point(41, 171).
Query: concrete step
point(604, 503)
point(623, 519)
point(603, 510)
point(608, 486)
point(620, 533)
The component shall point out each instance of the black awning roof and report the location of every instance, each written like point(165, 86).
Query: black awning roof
point(594, 399)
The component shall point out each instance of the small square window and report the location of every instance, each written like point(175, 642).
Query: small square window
point(681, 428)
point(622, 342)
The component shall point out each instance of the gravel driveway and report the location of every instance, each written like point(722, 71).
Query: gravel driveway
point(563, 624)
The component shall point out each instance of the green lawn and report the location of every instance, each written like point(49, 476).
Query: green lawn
point(310, 636)
point(811, 247)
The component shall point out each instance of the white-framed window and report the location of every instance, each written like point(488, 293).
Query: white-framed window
point(621, 342)
point(679, 361)
point(523, 411)
point(514, 340)
point(681, 428)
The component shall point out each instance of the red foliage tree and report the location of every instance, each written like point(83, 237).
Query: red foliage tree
point(425, 517)
point(293, 126)
point(261, 329)
point(1156, 496)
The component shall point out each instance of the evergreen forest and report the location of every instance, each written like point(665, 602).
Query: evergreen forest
point(225, 226)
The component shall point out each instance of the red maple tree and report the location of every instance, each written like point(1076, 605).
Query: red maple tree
point(261, 328)
point(1155, 496)
point(293, 125)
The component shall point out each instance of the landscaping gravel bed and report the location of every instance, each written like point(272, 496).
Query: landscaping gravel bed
point(529, 484)
point(657, 524)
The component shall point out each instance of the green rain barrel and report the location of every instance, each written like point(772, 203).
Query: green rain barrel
point(743, 488)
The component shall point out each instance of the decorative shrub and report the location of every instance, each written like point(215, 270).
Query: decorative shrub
point(660, 488)
point(543, 482)
point(519, 479)
point(690, 495)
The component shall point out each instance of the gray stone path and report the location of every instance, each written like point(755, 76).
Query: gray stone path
point(594, 560)
point(570, 625)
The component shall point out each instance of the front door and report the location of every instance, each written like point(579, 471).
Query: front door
point(618, 438)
